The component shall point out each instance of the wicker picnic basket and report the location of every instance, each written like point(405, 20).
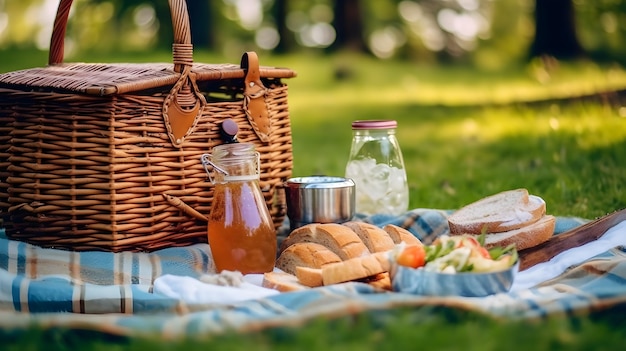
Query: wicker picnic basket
point(108, 156)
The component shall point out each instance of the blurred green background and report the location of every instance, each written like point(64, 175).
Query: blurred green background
point(488, 34)
point(489, 94)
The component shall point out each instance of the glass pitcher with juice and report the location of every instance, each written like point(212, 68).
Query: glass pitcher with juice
point(241, 232)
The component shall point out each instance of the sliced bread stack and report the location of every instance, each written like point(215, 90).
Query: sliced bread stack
point(509, 217)
point(323, 254)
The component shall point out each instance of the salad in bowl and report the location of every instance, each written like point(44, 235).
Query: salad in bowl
point(453, 265)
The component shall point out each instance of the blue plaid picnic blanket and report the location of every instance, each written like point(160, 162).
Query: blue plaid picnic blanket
point(113, 292)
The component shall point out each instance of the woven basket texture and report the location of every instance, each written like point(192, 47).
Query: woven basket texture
point(88, 160)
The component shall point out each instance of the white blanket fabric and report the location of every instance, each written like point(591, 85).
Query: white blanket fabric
point(192, 290)
point(616, 236)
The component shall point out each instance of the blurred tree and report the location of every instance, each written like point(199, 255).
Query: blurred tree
point(201, 20)
point(128, 18)
point(602, 29)
point(348, 25)
point(280, 11)
point(164, 31)
point(555, 30)
point(488, 32)
point(20, 26)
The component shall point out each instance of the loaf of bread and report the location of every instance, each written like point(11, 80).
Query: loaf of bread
point(305, 254)
point(399, 235)
point(509, 217)
point(358, 250)
point(339, 239)
point(374, 238)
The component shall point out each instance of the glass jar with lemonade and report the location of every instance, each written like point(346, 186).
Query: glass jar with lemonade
point(377, 168)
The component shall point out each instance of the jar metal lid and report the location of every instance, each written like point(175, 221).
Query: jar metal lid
point(375, 124)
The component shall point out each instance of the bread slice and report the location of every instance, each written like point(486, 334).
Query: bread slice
point(526, 237)
point(305, 254)
point(356, 268)
point(337, 238)
point(282, 281)
point(311, 277)
point(399, 235)
point(508, 210)
point(376, 239)
point(381, 281)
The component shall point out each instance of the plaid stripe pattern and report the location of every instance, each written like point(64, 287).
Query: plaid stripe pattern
point(112, 292)
point(34, 279)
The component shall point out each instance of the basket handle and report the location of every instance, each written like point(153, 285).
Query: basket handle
point(184, 104)
point(182, 49)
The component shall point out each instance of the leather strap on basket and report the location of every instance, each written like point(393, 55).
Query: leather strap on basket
point(254, 95)
point(183, 108)
point(184, 104)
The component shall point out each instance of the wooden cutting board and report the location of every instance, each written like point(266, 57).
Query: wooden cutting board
point(573, 238)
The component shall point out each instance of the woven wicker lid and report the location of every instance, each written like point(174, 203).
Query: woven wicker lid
point(109, 79)
point(119, 78)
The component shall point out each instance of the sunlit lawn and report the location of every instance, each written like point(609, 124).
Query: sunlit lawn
point(570, 155)
point(461, 141)
point(465, 134)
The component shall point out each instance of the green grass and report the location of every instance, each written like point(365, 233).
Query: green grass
point(565, 148)
point(465, 134)
point(567, 153)
point(433, 328)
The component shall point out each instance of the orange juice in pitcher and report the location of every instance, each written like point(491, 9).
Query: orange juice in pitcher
point(241, 232)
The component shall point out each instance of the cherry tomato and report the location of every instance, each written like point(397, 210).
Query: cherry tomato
point(468, 241)
point(473, 244)
point(484, 252)
point(412, 256)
